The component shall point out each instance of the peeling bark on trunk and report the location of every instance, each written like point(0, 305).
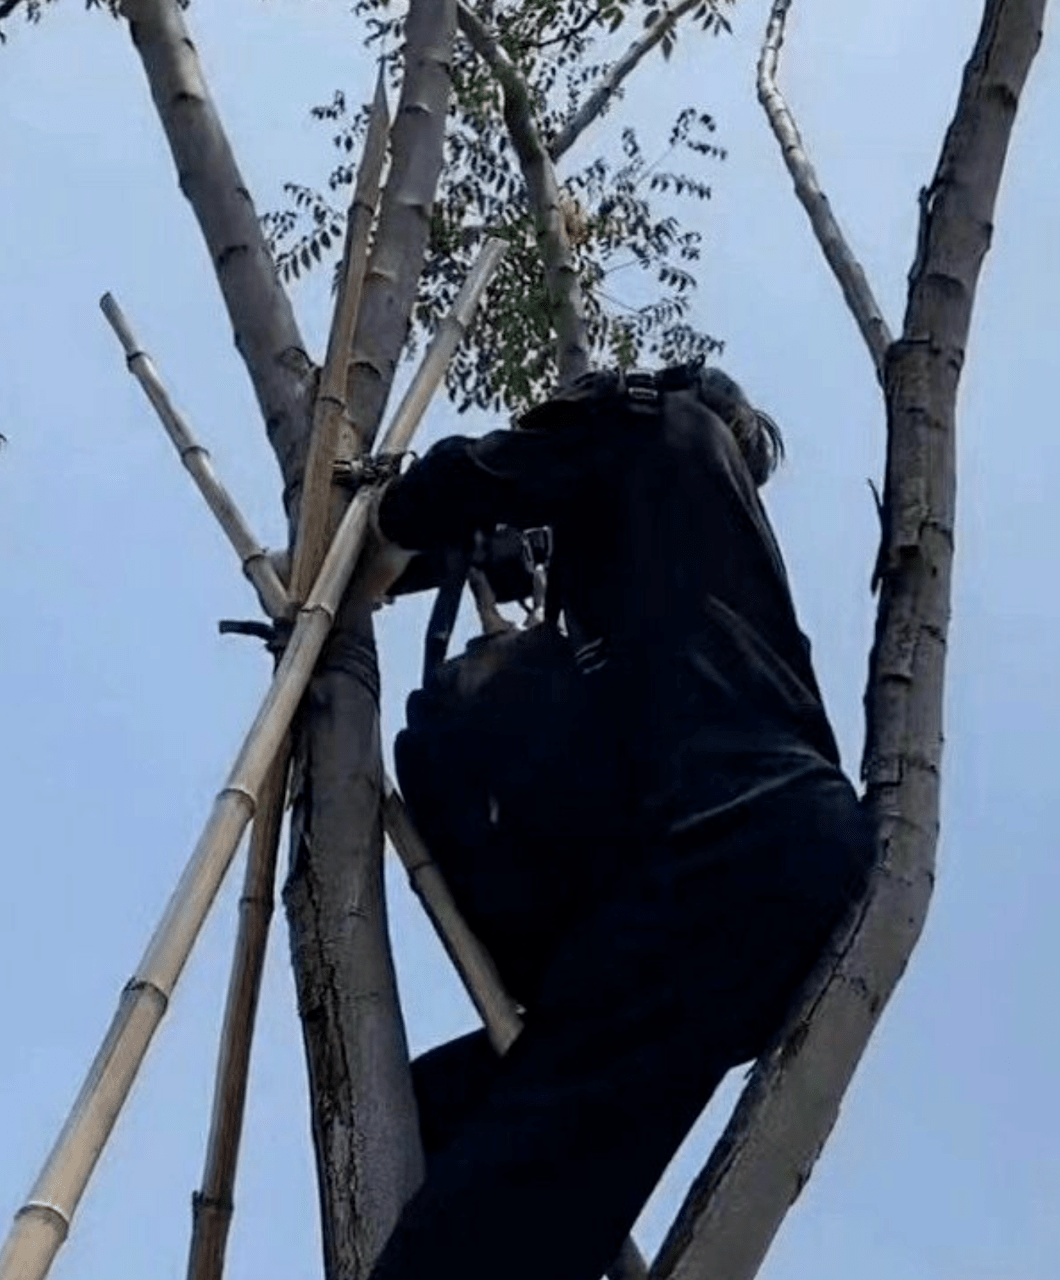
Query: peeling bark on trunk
point(364, 1116)
point(365, 1126)
point(768, 1151)
point(266, 333)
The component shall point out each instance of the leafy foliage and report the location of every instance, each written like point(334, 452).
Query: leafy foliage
point(637, 266)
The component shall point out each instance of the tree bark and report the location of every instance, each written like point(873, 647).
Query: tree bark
point(397, 259)
point(266, 333)
point(768, 1151)
point(365, 1126)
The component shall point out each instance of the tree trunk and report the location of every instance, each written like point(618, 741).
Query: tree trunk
point(266, 334)
point(768, 1150)
point(365, 1126)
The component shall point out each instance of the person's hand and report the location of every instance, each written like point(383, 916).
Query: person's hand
point(381, 561)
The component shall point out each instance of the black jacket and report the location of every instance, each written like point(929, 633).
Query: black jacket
point(663, 553)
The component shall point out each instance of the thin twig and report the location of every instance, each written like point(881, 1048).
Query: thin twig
point(597, 101)
point(561, 273)
point(845, 266)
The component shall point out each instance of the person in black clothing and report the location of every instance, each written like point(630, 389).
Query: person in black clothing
point(732, 846)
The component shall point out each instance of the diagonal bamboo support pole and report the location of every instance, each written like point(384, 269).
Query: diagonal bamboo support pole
point(473, 963)
point(42, 1224)
point(252, 555)
point(212, 1205)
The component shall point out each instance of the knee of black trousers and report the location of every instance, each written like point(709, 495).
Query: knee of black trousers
point(450, 1081)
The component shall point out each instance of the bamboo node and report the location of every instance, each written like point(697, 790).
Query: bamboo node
point(235, 789)
point(49, 1210)
point(212, 1204)
point(144, 986)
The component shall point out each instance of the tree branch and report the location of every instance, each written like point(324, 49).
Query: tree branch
point(845, 266)
point(561, 275)
point(768, 1151)
point(404, 218)
point(597, 102)
point(266, 333)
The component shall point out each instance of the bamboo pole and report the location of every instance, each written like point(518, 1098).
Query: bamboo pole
point(252, 555)
point(212, 1205)
point(43, 1222)
point(314, 514)
point(473, 963)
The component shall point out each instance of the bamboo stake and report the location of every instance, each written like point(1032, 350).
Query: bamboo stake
point(252, 555)
point(212, 1206)
point(314, 515)
point(43, 1222)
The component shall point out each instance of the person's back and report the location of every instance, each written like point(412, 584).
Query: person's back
point(669, 580)
point(666, 558)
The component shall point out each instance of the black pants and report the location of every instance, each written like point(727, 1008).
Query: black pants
point(540, 1162)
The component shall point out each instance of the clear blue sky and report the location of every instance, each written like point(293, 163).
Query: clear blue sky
point(122, 708)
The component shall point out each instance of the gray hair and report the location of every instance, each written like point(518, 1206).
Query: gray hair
point(757, 435)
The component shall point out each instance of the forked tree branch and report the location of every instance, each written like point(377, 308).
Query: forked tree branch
point(266, 333)
point(561, 273)
point(845, 266)
point(769, 1148)
point(600, 98)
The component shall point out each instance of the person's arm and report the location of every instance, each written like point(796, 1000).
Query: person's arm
point(462, 485)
